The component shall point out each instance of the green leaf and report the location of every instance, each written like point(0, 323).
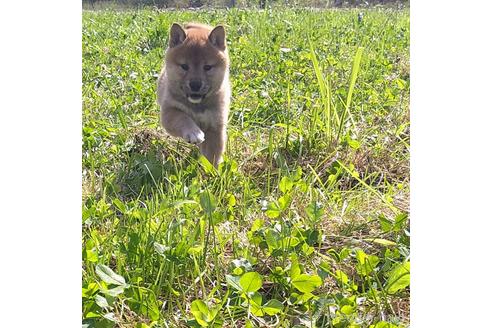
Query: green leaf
point(206, 165)
point(257, 298)
point(250, 282)
point(234, 282)
point(295, 270)
point(92, 315)
point(306, 249)
point(306, 283)
point(196, 250)
point(301, 298)
point(354, 144)
point(114, 291)
point(284, 202)
point(285, 184)
point(400, 221)
point(256, 309)
point(386, 225)
point(273, 210)
point(110, 316)
point(218, 217)
point(347, 309)
point(145, 303)
point(341, 277)
point(314, 211)
point(90, 252)
point(101, 301)
point(287, 242)
point(109, 276)
point(344, 253)
point(398, 278)
point(91, 289)
point(273, 307)
point(207, 201)
point(367, 263)
point(119, 205)
point(324, 269)
point(257, 224)
point(401, 83)
point(380, 241)
point(201, 313)
point(272, 238)
point(297, 174)
point(142, 325)
point(231, 200)
point(396, 225)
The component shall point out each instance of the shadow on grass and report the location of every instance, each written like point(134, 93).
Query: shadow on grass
point(153, 162)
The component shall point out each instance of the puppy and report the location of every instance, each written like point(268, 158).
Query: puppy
point(193, 88)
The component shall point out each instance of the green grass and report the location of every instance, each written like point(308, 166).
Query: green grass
point(305, 223)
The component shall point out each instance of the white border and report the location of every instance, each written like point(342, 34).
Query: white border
point(40, 163)
point(450, 163)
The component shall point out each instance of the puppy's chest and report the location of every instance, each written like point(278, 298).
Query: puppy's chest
point(205, 118)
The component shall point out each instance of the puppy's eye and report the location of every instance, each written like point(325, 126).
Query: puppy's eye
point(207, 67)
point(185, 67)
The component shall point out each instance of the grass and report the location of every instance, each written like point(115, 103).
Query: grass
point(305, 223)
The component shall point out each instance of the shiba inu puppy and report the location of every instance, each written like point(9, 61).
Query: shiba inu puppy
point(193, 88)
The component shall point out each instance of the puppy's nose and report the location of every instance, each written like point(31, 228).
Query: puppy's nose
point(195, 85)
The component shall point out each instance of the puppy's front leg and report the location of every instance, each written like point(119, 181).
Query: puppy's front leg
point(178, 124)
point(213, 146)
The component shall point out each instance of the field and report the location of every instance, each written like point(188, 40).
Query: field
point(305, 224)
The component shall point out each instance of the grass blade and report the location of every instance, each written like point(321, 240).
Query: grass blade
point(353, 78)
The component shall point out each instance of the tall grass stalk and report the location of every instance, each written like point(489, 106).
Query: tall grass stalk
point(325, 93)
point(353, 78)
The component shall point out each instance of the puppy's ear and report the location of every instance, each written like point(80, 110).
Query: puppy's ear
point(177, 35)
point(217, 37)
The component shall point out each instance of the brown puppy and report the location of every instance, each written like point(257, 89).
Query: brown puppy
point(193, 88)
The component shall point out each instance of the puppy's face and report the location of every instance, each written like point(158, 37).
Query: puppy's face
point(196, 61)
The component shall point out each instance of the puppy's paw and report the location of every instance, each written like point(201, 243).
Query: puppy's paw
point(195, 136)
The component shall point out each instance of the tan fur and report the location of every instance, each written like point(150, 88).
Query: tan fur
point(202, 123)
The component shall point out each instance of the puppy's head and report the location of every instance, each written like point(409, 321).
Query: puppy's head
point(196, 61)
